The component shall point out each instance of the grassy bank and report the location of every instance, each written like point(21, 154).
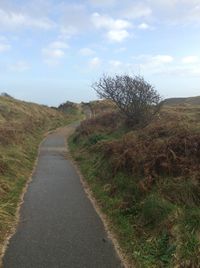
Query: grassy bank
point(148, 182)
point(22, 128)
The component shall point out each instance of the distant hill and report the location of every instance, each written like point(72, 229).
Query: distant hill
point(190, 100)
point(67, 107)
point(4, 94)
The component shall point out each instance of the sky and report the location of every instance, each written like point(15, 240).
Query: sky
point(52, 51)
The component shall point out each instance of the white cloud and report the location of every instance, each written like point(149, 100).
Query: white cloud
point(75, 19)
point(67, 31)
point(158, 59)
point(117, 35)
point(144, 26)
point(190, 59)
point(136, 10)
point(196, 71)
point(117, 29)
point(4, 45)
point(13, 20)
point(166, 65)
point(162, 59)
point(19, 66)
point(195, 13)
point(95, 62)
point(153, 63)
point(58, 45)
point(176, 12)
point(181, 70)
point(86, 51)
point(121, 49)
point(104, 21)
point(115, 64)
point(102, 2)
point(54, 52)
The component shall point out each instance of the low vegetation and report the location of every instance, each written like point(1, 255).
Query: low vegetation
point(147, 180)
point(100, 107)
point(70, 109)
point(22, 127)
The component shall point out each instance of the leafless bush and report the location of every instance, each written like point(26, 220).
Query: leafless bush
point(135, 98)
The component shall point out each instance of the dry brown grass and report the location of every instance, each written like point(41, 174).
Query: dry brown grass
point(101, 107)
point(143, 154)
point(168, 146)
point(107, 122)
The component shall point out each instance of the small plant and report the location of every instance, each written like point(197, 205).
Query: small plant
point(191, 220)
point(162, 249)
point(153, 211)
point(189, 252)
point(93, 139)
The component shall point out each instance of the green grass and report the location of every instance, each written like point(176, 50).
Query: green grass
point(129, 222)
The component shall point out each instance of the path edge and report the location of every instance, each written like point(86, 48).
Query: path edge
point(103, 217)
point(15, 223)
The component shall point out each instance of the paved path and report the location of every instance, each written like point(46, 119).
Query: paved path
point(58, 227)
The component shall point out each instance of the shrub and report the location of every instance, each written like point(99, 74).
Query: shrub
point(135, 98)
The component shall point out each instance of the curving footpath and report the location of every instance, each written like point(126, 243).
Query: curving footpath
point(58, 226)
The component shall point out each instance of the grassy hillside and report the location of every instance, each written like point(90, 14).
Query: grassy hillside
point(148, 182)
point(182, 101)
point(22, 127)
point(101, 106)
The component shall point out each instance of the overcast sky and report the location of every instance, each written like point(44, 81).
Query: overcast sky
point(51, 50)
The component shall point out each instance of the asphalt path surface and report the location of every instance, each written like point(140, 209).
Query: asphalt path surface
point(58, 225)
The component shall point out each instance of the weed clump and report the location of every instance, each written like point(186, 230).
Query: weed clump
point(154, 210)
